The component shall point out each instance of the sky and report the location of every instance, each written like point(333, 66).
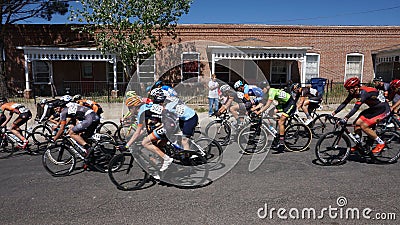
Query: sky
point(286, 12)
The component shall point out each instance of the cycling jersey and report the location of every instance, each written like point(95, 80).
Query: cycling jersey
point(279, 95)
point(153, 120)
point(252, 90)
point(91, 104)
point(140, 115)
point(14, 108)
point(176, 106)
point(367, 95)
point(89, 119)
point(48, 110)
point(169, 91)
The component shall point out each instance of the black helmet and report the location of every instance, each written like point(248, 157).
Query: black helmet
point(76, 97)
point(3, 100)
point(263, 84)
point(158, 95)
point(378, 79)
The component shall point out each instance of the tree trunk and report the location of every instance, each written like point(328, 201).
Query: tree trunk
point(3, 82)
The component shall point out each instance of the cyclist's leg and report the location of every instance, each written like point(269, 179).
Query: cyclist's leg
point(188, 128)
point(21, 119)
point(147, 142)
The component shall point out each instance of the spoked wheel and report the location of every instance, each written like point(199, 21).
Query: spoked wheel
point(42, 130)
point(7, 147)
point(219, 131)
point(108, 127)
point(250, 141)
point(391, 152)
point(321, 125)
point(123, 132)
point(127, 175)
point(59, 160)
point(209, 148)
point(104, 150)
point(297, 137)
point(39, 140)
point(333, 148)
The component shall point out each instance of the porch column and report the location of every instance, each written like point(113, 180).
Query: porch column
point(303, 69)
point(212, 64)
point(114, 92)
point(27, 91)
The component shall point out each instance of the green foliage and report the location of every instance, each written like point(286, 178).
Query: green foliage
point(128, 28)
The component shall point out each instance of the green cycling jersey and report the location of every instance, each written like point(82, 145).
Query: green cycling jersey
point(279, 95)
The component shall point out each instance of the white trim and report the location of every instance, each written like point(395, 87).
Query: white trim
point(362, 65)
point(318, 64)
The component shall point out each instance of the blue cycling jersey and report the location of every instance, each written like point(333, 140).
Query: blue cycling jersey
point(177, 107)
point(169, 91)
point(255, 91)
point(140, 114)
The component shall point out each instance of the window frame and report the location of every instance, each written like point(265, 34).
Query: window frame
point(286, 69)
point(346, 65)
point(183, 67)
point(84, 66)
point(36, 72)
point(318, 65)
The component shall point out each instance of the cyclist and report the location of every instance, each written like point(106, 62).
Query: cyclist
point(394, 95)
point(308, 99)
point(169, 91)
point(382, 87)
point(378, 110)
point(24, 114)
point(233, 103)
point(187, 117)
point(48, 110)
point(251, 93)
point(88, 103)
point(89, 121)
point(286, 105)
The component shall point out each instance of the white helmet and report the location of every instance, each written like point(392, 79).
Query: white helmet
point(66, 98)
point(225, 88)
point(238, 84)
point(43, 101)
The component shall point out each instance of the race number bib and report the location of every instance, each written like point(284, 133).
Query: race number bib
point(282, 94)
point(240, 95)
point(180, 110)
point(313, 91)
point(23, 110)
point(72, 109)
point(381, 98)
point(156, 109)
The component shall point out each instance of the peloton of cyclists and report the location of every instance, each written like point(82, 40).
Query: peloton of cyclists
point(378, 110)
point(308, 99)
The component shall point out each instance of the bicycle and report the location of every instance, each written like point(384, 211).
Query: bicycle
point(334, 148)
point(9, 143)
point(253, 138)
point(61, 157)
point(135, 166)
point(390, 123)
point(221, 128)
point(108, 127)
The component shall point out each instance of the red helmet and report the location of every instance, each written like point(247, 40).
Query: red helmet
point(351, 83)
point(395, 83)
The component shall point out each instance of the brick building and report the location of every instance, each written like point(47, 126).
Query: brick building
point(52, 56)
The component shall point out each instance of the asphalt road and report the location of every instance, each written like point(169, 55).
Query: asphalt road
point(281, 186)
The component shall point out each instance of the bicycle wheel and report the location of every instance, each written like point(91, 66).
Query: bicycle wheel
point(123, 133)
point(128, 175)
point(209, 148)
point(102, 154)
point(250, 142)
point(37, 141)
point(321, 125)
point(43, 130)
point(192, 158)
point(7, 147)
point(108, 127)
point(297, 137)
point(219, 131)
point(391, 152)
point(59, 160)
point(333, 148)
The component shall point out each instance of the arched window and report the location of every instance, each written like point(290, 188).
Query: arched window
point(41, 72)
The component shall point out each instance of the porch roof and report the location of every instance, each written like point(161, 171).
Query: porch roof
point(389, 54)
point(65, 54)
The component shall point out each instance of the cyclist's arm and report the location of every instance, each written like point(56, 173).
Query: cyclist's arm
point(394, 106)
point(357, 105)
point(135, 135)
point(265, 107)
point(46, 107)
point(8, 118)
point(343, 105)
point(227, 104)
point(60, 131)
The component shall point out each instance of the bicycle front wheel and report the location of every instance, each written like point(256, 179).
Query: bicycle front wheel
point(59, 160)
point(391, 152)
point(252, 140)
point(210, 149)
point(333, 148)
point(108, 127)
point(321, 125)
point(43, 130)
point(7, 147)
point(297, 137)
point(219, 131)
point(127, 175)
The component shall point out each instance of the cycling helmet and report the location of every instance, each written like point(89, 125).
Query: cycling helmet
point(76, 97)
point(133, 101)
point(294, 86)
point(351, 83)
point(43, 101)
point(263, 84)
point(158, 84)
point(130, 94)
point(378, 79)
point(66, 98)
point(148, 88)
point(238, 84)
point(225, 88)
point(395, 84)
point(158, 95)
point(3, 100)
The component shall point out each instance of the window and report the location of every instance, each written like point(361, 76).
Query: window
point(354, 66)
point(146, 68)
point(120, 72)
point(190, 66)
point(87, 70)
point(312, 67)
point(279, 72)
point(41, 72)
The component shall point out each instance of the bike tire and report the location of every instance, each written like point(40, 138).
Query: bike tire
point(7, 147)
point(251, 145)
point(42, 129)
point(123, 133)
point(219, 131)
point(210, 148)
point(297, 137)
point(128, 175)
point(321, 125)
point(104, 150)
point(59, 160)
point(108, 127)
point(391, 152)
point(333, 148)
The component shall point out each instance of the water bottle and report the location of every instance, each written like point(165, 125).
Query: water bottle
point(271, 128)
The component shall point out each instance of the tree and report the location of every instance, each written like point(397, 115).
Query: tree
point(129, 28)
point(15, 11)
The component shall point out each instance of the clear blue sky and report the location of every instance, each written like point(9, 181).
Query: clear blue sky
point(289, 12)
